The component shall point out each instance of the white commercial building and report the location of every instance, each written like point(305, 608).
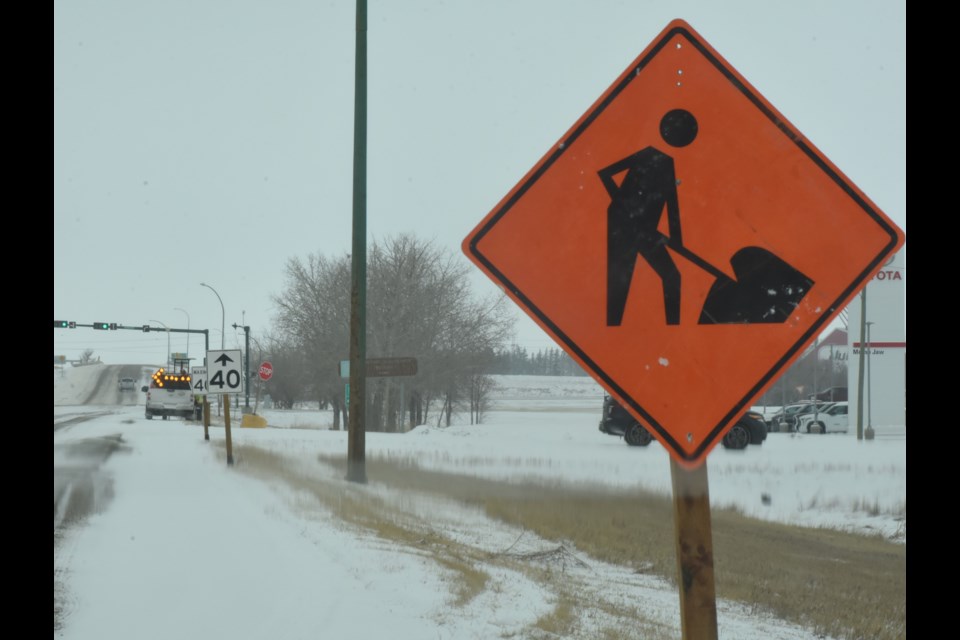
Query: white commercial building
point(885, 359)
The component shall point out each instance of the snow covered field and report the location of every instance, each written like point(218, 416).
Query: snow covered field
point(184, 549)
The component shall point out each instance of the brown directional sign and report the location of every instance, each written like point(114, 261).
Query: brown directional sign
point(661, 242)
point(383, 367)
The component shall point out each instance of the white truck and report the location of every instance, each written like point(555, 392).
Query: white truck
point(169, 394)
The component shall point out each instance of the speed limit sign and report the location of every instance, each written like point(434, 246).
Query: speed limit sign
point(198, 378)
point(224, 371)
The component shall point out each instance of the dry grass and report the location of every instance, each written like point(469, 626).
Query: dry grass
point(840, 584)
point(464, 564)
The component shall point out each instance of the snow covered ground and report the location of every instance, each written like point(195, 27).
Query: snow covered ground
point(189, 549)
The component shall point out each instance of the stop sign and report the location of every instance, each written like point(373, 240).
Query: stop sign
point(266, 371)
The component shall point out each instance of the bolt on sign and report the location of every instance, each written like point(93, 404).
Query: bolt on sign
point(657, 242)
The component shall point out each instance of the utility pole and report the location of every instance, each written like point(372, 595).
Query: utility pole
point(356, 464)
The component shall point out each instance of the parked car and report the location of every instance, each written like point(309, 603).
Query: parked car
point(749, 429)
point(833, 419)
point(617, 421)
point(773, 423)
point(786, 418)
point(127, 384)
point(813, 407)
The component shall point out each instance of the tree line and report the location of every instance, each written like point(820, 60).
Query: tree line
point(516, 360)
point(418, 304)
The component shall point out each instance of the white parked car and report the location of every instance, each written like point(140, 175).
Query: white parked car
point(833, 419)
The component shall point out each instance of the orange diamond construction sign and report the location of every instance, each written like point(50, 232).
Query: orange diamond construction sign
point(658, 242)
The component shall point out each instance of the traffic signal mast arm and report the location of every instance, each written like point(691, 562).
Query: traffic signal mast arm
point(112, 326)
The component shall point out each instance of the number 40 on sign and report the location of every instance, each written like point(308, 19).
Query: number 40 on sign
point(224, 371)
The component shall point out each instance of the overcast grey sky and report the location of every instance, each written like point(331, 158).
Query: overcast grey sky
point(213, 141)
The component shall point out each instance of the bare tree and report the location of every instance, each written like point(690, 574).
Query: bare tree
point(286, 386)
point(313, 319)
point(430, 310)
point(480, 388)
point(419, 304)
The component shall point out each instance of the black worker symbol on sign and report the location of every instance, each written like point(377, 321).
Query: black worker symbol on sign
point(766, 289)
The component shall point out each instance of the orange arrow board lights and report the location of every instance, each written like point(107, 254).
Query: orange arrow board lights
point(659, 242)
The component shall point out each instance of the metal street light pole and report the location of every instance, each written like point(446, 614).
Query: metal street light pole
point(833, 377)
point(223, 321)
point(869, 431)
point(861, 355)
point(188, 331)
point(167, 359)
point(816, 363)
point(246, 369)
point(223, 314)
point(259, 380)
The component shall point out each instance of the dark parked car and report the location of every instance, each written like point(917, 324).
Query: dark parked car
point(617, 421)
point(749, 429)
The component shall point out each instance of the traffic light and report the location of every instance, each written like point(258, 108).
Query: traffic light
point(146, 328)
point(113, 325)
point(64, 324)
point(101, 326)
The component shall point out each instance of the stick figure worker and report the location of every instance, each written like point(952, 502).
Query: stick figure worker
point(636, 207)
